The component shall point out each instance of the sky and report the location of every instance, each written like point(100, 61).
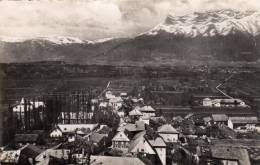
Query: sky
point(96, 19)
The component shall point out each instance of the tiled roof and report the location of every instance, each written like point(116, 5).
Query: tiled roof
point(120, 136)
point(138, 126)
point(158, 142)
point(136, 139)
point(31, 151)
point(135, 112)
point(147, 109)
point(96, 137)
point(219, 117)
point(167, 128)
point(111, 160)
point(230, 153)
point(244, 120)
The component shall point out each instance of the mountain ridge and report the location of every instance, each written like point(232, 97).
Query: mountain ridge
point(171, 42)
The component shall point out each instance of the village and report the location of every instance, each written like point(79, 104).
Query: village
point(118, 128)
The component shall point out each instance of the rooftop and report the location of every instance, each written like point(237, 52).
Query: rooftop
point(244, 120)
point(219, 117)
point(135, 112)
point(147, 109)
point(111, 160)
point(138, 126)
point(158, 142)
point(230, 153)
point(167, 128)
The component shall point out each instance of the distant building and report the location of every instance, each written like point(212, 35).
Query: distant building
point(63, 129)
point(168, 133)
point(147, 111)
point(207, 102)
point(229, 155)
point(97, 139)
point(115, 103)
point(120, 141)
point(139, 144)
point(220, 119)
point(160, 147)
point(244, 121)
point(20, 107)
point(75, 117)
point(135, 115)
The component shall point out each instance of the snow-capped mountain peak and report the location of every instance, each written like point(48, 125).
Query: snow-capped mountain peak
point(210, 23)
point(58, 40)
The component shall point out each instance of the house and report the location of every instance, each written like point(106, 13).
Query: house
point(120, 141)
point(56, 133)
point(97, 139)
point(23, 155)
point(220, 119)
point(160, 147)
point(54, 152)
point(146, 120)
point(121, 113)
point(116, 103)
point(20, 107)
point(168, 133)
point(229, 155)
point(72, 128)
point(28, 139)
point(28, 154)
point(74, 117)
point(10, 156)
point(112, 160)
point(139, 126)
point(109, 95)
point(147, 111)
point(244, 121)
point(139, 144)
point(135, 114)
point(207, 120)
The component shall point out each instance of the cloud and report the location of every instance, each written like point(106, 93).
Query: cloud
point(92, 19)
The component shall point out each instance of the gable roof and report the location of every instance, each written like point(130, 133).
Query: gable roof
point(230, 153)
point(97, 137)
point(31, 151)
point(135, 112)
point(112, 160)
point(244, 120)
point(167, 128)
point(138, 126)
point(53, 152)
point(139, 139)
point(207, 119)
point(120, 136)
point(66, 128)
point(158, 142)
point(147, 108)
point(219, 117)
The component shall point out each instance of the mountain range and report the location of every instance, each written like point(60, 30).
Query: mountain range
point(219, 36)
